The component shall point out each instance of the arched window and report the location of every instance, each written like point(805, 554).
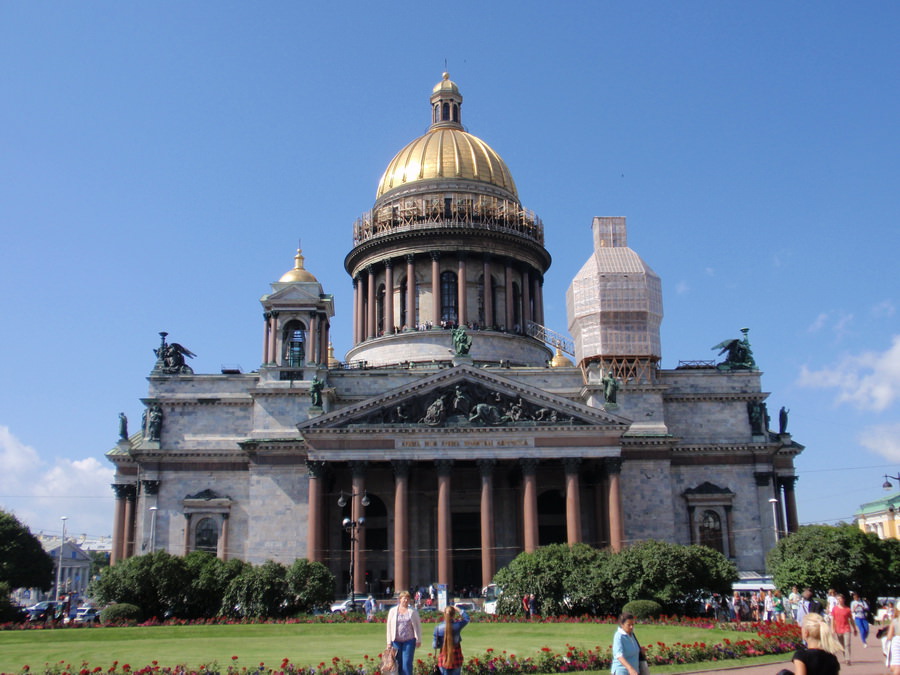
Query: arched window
point(294, 344)
point(206, 537)
point(449, 297)
point(711, 531)
point(445, 112)
point(455, 113)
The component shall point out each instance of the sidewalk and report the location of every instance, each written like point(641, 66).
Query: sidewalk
point(864, 662)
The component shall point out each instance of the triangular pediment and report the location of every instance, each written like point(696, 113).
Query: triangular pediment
point(463, 398)
point(307, 293)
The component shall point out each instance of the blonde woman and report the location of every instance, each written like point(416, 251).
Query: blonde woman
point(450, 657)
point(820, 656)
point(892, 643)
point(404, 632)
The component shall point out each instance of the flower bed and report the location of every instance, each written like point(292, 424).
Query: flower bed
point(767, 638)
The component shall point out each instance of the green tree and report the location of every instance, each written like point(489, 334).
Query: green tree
point(209, 579)
point(157, 582)
point(842, 557)
point(23, 561)
point(563, 578)
point(310, 584)
point(260, 591)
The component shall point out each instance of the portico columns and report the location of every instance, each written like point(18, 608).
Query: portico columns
point(357, 511)
point(573, 500)
point(273, 337)
point(130, 498)
point(118, 547)
point(356, 331)
point(312, 350)
point(388, 297)
point(223, 541)
point(401, 524)
point(316, 471)
point(488, 554)
point(526, 300)
point(444, 567)
point(529, 504)
point(790, 501)
point(614, 500)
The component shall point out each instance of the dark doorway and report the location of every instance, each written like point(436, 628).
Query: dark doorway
point(552, 518)
point(466, 535)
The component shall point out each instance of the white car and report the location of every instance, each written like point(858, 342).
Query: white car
point(344, 606)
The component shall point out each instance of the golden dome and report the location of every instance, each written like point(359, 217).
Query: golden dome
point(298, 273)
point(560, 361)
point(447, 151)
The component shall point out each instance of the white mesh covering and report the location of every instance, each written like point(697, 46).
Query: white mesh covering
point(614, 304)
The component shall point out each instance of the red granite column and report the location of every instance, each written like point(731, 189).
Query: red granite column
point(538, 295)
point(401, 524)
point(488, 295)
point(526, 301)
point(444, 563)
point(510, 316)
point(187, 533)
point(573, 500)
point(488, 553)
point(273, 337)
point(388, 311)
point(312, 348)
point(118, 543)
point(314, 548)
point(411, 292)
point(370, 302)
point(130, 498)
point(356, 339)
point(461, 285)
point(267, 328)
point(529, 504)
point(729, 522)
point(790, 502)
point(436, 288)
point(357, 511)
point(613, 469)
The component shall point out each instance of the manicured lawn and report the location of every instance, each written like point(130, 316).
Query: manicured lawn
point(306, 644)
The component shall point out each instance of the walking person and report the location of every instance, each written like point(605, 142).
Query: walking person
point(626, 652)
point(819, 656)
point(860, 609)
point(404, 632)
point(892, 642)
point(842, 623)
point(450, 657)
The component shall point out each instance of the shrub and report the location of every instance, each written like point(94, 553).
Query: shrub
point(643, 609)
point(119, 612)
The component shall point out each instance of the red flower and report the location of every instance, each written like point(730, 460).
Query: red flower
point(234, 658)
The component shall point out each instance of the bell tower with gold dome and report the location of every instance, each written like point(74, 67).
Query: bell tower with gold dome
point(447, 243)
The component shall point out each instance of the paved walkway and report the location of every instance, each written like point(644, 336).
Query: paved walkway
point(864, 662)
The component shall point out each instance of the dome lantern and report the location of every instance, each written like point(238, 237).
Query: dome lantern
point(446, 105)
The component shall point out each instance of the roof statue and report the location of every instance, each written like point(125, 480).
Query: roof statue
point(170, 358)
point(740, 356)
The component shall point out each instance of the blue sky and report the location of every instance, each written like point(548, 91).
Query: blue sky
point(159, 162)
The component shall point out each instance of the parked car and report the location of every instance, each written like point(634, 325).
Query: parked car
point(468, 606)
point(344, 606)
point(42, 611)
point(87, 615)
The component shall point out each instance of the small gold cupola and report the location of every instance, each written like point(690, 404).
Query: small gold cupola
point(446, 105)
point(298, 273)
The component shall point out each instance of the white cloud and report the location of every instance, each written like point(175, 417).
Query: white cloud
point(39, 492)
point(884, 309)
point(869, 381)
point(838, 322)
point(682, 287)
point(883, 440)
point(819, 323)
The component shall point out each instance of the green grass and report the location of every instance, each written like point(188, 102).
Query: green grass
point(308, 644)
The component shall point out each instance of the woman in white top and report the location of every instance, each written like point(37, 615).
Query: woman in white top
point(404, 632)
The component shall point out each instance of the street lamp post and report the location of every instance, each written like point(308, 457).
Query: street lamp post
point(887, 481)
point(62, 543)
point(153, 510)
point(774, 503)
point(352, 527)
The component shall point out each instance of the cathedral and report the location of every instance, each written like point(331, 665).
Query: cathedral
point(458, 431)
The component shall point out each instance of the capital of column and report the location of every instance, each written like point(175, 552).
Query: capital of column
point(787, 482)
point(572, 464)
point(612, 465)
point(410, 258)
point(443, 466)
point(763, 478)
point(388, 263)
point(400, 467)
point(486, 466)
point(150, 487)
point(358, 468)
point(435, 255)
point(122, 489)
point(316, 469)
point(529, 465)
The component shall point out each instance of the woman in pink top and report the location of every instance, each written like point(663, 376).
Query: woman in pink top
point(843, 624)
